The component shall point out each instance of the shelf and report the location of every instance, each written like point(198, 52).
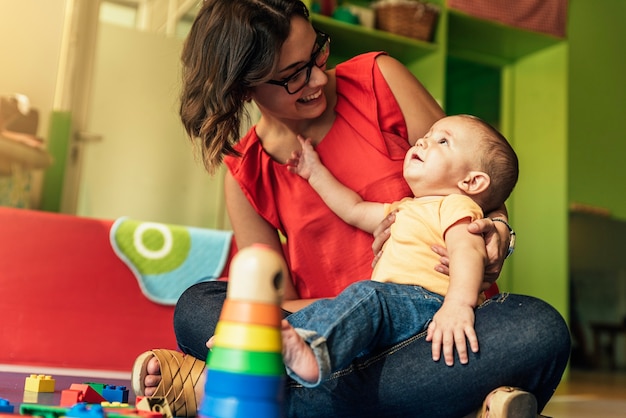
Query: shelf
point(349, 40)
point(14, 151)
point(492, 43)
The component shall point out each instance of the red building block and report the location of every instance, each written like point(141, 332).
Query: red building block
point(80, 393)
point(70, 397)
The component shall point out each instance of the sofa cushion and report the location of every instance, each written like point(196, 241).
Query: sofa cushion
point(68, 300)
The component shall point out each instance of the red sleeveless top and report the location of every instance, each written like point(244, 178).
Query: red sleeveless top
point(364, 149)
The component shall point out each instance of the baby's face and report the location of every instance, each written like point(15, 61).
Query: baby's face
point(443, 157)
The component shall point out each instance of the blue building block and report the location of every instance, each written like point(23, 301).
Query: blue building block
point(6, 406)
point(115, 393)
point(80, 410)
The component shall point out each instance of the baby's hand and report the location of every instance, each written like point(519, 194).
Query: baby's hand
point(305, 161)
point(293, 163)
point(450, 327)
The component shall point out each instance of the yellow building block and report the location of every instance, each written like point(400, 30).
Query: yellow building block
point(39, 383)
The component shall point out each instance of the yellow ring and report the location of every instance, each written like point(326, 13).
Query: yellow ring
point(248, 337)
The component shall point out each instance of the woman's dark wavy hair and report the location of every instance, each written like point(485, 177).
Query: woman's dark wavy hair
point(233, 45)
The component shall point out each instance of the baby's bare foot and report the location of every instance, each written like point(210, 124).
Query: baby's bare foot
point(297, 355)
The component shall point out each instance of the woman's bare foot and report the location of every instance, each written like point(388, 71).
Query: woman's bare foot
point(297, 355)
point(153, 378)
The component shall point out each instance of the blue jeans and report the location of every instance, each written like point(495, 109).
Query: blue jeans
point(364, 317)
point(524, 342)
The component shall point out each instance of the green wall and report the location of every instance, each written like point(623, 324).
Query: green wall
point(597, 105)
point(539, 206)
point(473, 88)
point(563, 109)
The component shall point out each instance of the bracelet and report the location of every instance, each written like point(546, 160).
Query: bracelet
point(511, 235)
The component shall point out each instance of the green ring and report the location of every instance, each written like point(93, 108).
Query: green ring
point(246, 362)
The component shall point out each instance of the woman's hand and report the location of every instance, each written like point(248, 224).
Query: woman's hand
point(496, 243)
point(381, 235)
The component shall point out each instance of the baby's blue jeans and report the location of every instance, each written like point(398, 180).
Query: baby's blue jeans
point(365, 316)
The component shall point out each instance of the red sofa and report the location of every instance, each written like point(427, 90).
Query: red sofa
point(66, 299)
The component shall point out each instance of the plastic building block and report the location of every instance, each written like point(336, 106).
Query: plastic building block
point(44, 411)
point(39, 383)
point(115, 393)
point(153, 404)
point(98, 387)
point(246, 373)
point(89, 394)
point(80, 410)
point(6, 406)
point(143, 407)
point(116, 405)
point(47, 411)
point(80, 393)
point(70, 397)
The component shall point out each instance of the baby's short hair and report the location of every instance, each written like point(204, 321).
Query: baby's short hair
point(499, 160)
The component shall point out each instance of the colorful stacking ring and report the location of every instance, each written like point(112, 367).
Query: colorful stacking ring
point(248, 362)
point(251, 313)
point(247, 337)
point(227, 406)
point(239, 385)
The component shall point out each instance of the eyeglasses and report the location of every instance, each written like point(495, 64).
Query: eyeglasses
point(296, 82)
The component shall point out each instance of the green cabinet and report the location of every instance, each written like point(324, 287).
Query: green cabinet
point(516, 80)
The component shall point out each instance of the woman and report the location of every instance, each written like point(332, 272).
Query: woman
point(362, 117)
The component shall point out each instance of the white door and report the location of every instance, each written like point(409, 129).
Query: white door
point(143, 166)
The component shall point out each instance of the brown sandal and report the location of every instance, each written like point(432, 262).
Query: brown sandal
point(509, 402)
point(179, 375)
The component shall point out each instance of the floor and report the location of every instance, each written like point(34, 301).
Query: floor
point(12, 379)
point(589, 394)
point(584, 393)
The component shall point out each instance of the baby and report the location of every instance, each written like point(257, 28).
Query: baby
point(461, 169)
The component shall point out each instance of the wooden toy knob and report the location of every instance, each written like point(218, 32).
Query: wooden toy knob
point(256, 275)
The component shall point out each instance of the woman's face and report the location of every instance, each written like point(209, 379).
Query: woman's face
point(297, 51)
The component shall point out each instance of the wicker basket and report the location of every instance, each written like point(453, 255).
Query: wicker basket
point(413, 19)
